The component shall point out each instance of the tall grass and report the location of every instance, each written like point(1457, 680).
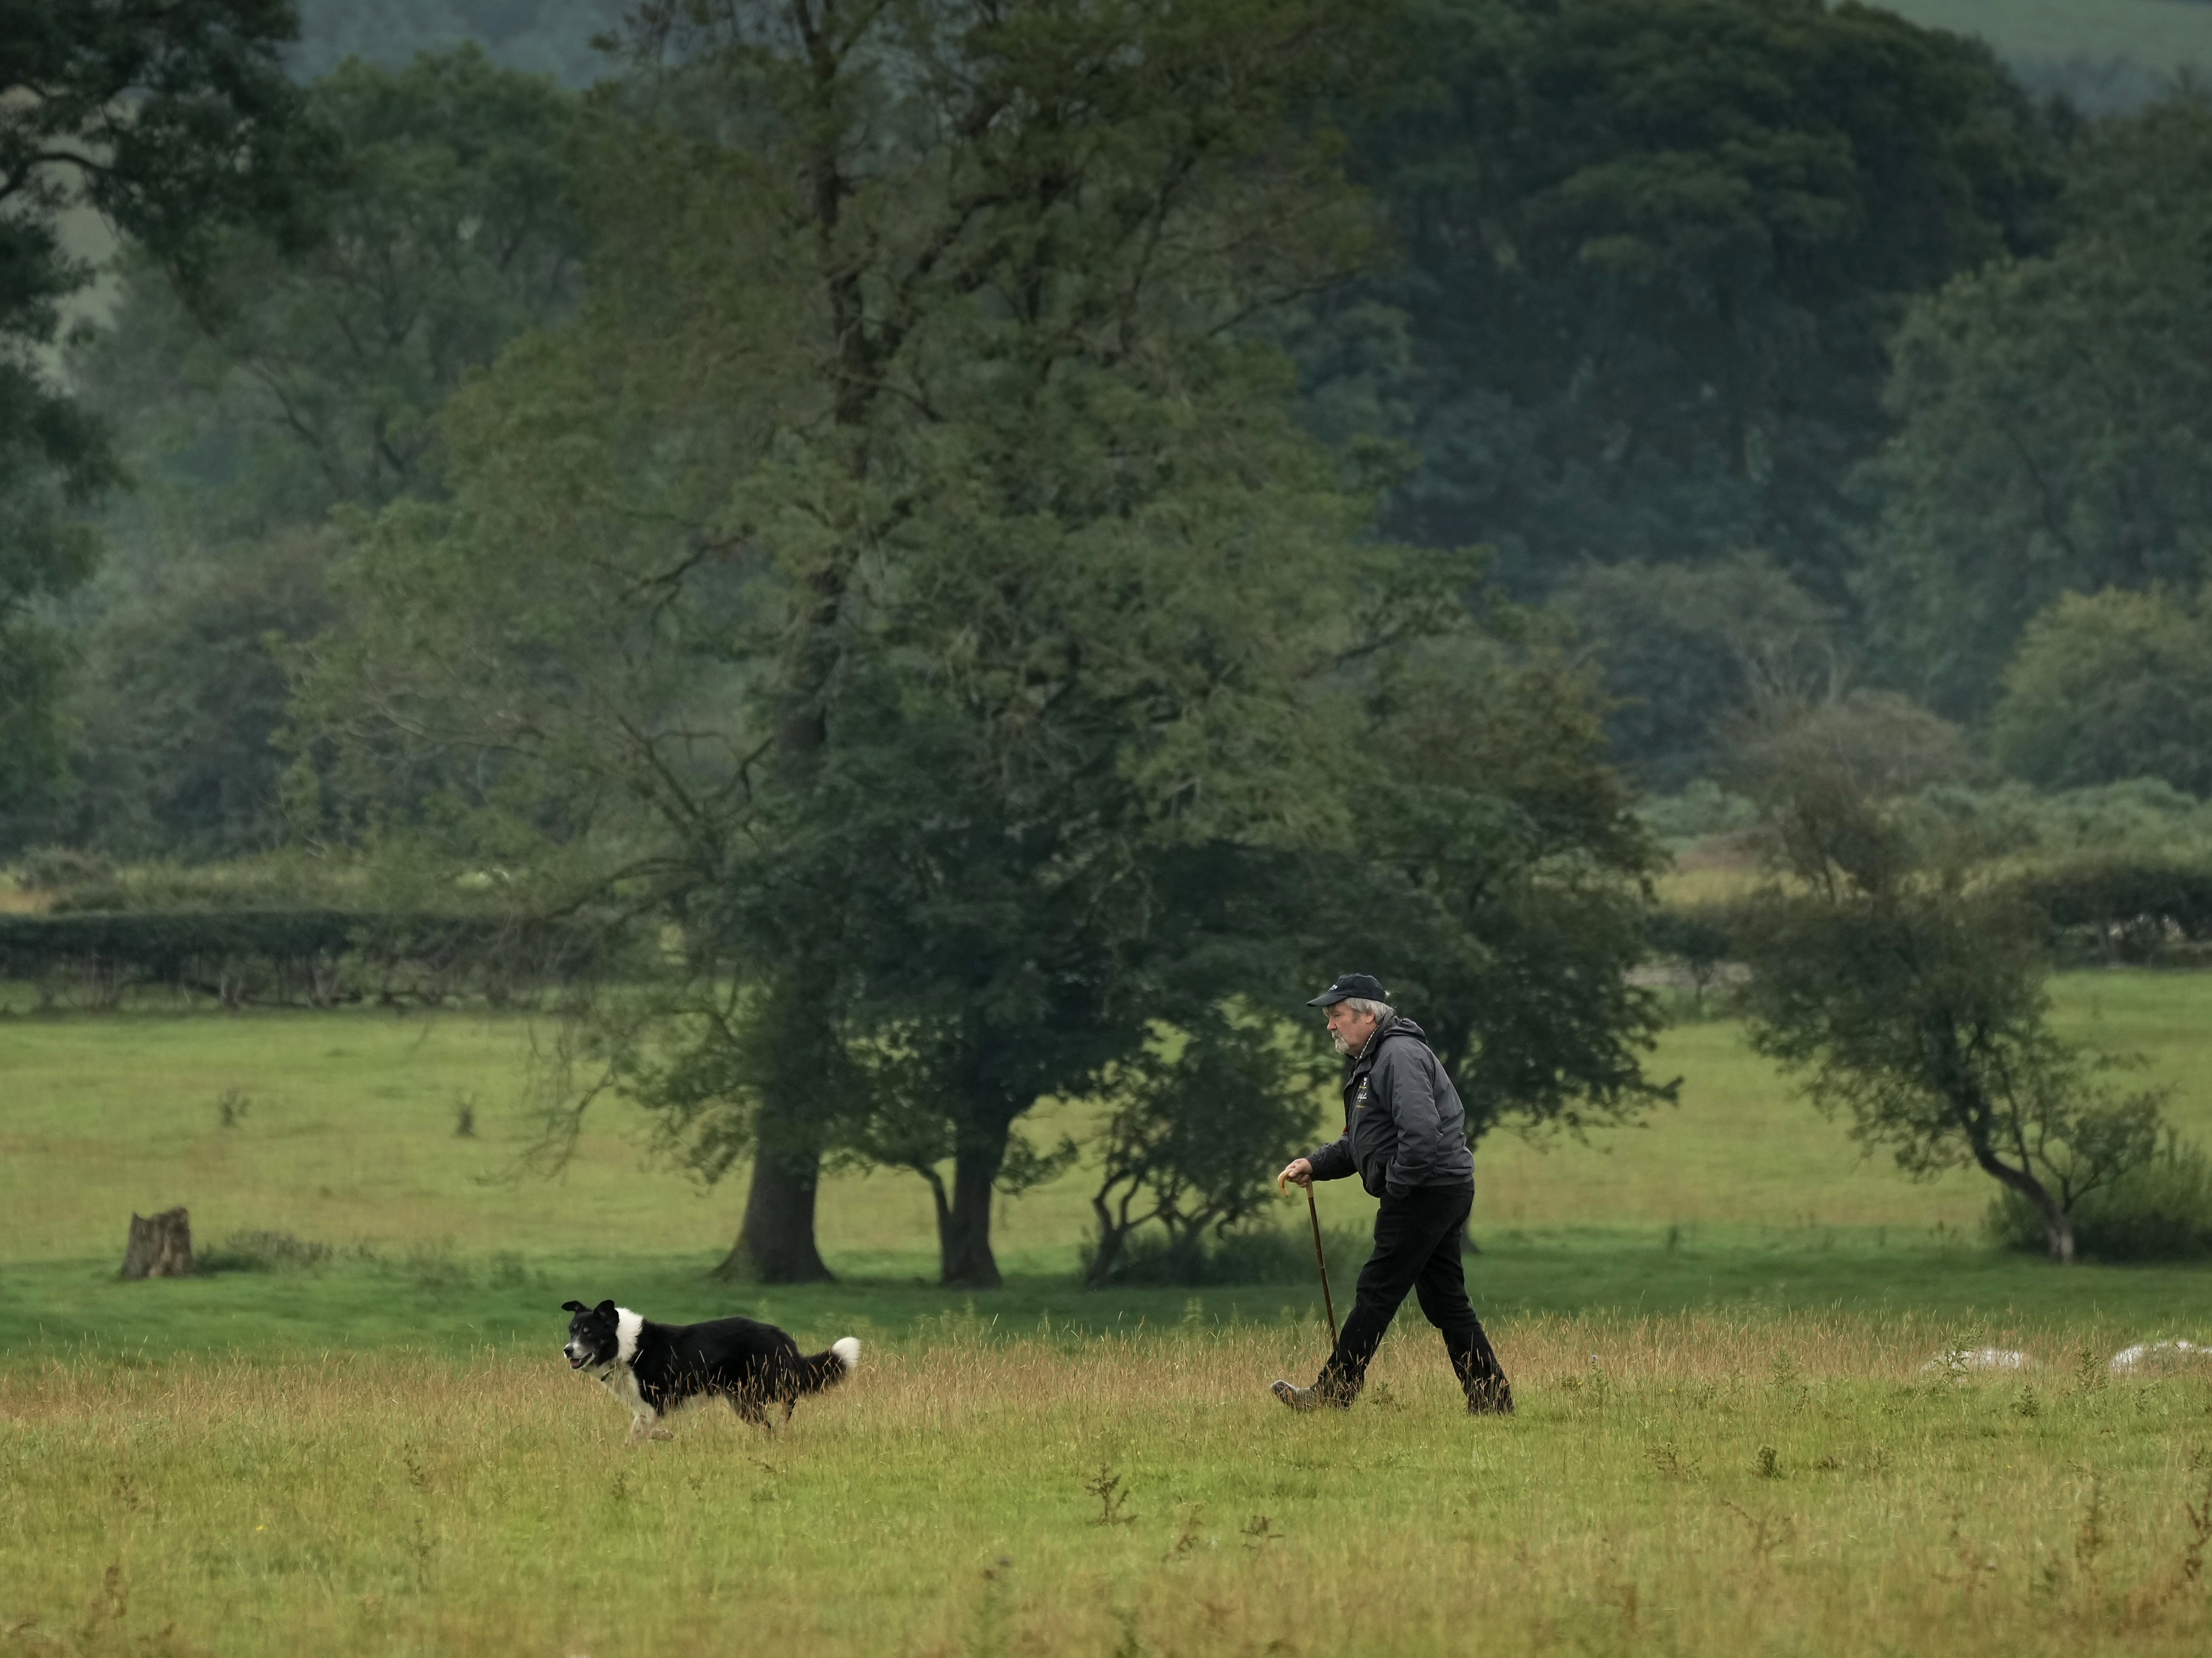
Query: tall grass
point(1706, 1485)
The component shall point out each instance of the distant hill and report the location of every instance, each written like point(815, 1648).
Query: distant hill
point(2104, 54)
point(541, 36)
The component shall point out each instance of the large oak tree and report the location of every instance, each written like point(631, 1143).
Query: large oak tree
point(911, 586)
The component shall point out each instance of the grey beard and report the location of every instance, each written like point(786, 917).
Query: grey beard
point(1342, 1046)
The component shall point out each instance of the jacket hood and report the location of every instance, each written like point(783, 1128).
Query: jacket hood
point(1399, 1025)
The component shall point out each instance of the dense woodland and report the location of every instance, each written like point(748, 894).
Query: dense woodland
point(971, 545)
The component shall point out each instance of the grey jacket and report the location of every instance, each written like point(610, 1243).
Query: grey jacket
point(1404, 1126)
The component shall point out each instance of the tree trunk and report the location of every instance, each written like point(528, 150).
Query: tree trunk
point(1108, 1256)
point(160, 1246)
point(963, 1226)
point(2057, 1224)
point(775, 1241)
point(2058, 1228)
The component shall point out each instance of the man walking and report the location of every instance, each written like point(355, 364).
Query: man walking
point(1405, 1136)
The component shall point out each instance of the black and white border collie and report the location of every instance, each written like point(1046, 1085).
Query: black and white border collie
point(654, 1368)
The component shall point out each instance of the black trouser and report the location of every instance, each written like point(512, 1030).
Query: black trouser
point(1417, 1248)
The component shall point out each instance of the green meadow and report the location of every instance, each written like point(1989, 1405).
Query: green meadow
point(1700, 1484)
point(1736, 1432)
point(343, 1134)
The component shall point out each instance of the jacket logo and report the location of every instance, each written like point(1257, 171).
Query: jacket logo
point(1360, 1103)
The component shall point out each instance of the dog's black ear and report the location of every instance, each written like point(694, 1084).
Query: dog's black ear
point(606, 1309)
point(572, 1306)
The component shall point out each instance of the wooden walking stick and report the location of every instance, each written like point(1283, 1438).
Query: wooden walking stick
point(1320, 1261)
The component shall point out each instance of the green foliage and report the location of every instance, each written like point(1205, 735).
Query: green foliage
point(285, 380)
point(55, 869)
point(2050, 418)
point(1703, 809)
point(1197, 1122)
point(263, 1251)
point(2141, 818)
point(33, 669)
point(1700, 939)
point(953, 616)
point(282, 382)
point(293, 952)
point(1495, 877)
point(314, 958)
point(1683, 648)
point(2118, 872)
point(926, 572)
point(1836, 782)
point(73, 879)
point(1259, 1255)
point(1911, 1003)
point(1918, 1017)
point(2158, 1210)
point(2125, 909)
point(2110, 688)
point(172, 122)
point(177, 699)
point(1651, 252)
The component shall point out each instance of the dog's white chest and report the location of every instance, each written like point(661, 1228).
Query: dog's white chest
point(622, 1382)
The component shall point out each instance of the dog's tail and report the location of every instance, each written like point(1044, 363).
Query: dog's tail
point(827, 1370)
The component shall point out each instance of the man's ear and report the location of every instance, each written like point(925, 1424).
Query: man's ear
point(606, 1309)
point(572, 1306)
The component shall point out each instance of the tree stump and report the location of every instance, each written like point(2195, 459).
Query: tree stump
point(160, 1246)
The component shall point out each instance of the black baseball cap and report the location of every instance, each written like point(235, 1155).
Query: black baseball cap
point(1365, 986)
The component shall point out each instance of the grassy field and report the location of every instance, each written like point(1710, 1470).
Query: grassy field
point(1735, 1435)
point(343, 1134)
point(1694, 1485)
